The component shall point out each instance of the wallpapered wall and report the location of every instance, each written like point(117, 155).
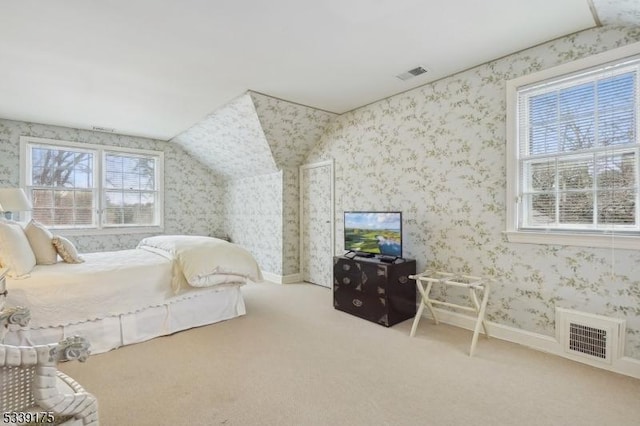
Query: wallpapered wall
point(192, 200)
point(438, 154)
point(230, 141)
point(252, 209)
point(261, 206)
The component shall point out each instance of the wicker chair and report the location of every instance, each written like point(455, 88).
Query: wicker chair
point(32, 390)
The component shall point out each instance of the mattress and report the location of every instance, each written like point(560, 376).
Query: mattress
point(114, 299)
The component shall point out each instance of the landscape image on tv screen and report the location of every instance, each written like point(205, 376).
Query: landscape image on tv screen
point(373, 232)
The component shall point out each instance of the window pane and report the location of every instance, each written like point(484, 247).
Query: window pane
point(146, 212)
point(128, 215)
point(63, 217)
point(131, 181)
point(616, 92)
point(84, 199)
point(578, 133)
point(543, 140)
point(42, 198)
point(84, 216)
point(616, 128)
point(577, 174)
point(113, 216)
point(616, 170)
point(577, 101)
point(576, 208)
point(63, 199)
point(44, 216)
point(61, 167)
point(616, 207)
point(113, 180)
point(114, 199)
point(542, 176)
point(543, 109)
point(542, 210)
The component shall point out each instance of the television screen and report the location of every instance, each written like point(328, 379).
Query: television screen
point(373, 232)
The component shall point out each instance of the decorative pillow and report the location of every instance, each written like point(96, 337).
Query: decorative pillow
point(15, 251)
point(40, 239)
point(66, 249)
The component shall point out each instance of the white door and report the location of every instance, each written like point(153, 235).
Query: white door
point(316, 223)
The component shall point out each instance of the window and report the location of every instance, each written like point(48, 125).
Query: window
point(574, 154)
point(83, 186)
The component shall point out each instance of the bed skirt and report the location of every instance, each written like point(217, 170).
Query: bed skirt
point(205, 306)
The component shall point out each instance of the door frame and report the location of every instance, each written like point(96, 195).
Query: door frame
point(301, 169)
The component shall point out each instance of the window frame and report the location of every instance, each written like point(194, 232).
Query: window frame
point(99, 152)
point(579, 237)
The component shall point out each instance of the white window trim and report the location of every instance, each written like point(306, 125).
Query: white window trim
point(110, 230)
point(584, 239)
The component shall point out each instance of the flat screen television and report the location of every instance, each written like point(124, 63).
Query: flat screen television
point(373, 233)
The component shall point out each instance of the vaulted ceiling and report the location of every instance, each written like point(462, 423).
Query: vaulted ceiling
point(254, 134)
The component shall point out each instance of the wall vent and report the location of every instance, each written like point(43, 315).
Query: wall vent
point(589, 338)
point(412, 73)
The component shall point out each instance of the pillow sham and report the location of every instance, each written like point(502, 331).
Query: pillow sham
point(40, 239)
point(66, 249)
point(15, 251)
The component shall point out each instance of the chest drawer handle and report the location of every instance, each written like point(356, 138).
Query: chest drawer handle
point(357, 303)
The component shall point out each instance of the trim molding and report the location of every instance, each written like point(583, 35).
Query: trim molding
point(623, 365)
point(282, 279)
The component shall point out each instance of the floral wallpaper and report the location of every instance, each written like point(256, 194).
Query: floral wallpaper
point(290, 129)
point(192, 200)
point(290, 221)
point(437, 153)
point(230, 141)
point(252, 211)
point(257, 135)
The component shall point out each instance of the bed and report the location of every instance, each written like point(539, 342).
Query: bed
point(166, 284)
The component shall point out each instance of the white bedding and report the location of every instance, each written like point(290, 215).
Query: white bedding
point(107, 283)
point(205, 261)
point(129, 296)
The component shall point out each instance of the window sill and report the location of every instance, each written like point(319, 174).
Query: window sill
point(628, 242)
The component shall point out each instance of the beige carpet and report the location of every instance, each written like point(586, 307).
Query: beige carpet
point(294, 360)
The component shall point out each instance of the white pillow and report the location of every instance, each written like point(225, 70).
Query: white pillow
point(66, 249)
point(40, 240)
point(15, 251)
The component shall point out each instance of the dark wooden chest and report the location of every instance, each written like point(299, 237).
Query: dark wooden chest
point(376, 291)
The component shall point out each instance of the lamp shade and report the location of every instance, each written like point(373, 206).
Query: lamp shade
point(14, 200)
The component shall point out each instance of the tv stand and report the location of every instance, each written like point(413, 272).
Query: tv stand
point(374, 290)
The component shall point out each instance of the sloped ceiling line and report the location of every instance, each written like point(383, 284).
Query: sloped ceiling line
point(254, 135)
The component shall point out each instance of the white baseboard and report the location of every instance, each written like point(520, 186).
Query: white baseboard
point(624, 365)
point(282, 279)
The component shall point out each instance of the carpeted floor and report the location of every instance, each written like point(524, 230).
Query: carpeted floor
point(294, 360)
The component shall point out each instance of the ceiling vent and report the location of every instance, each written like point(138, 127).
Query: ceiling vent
point(102, 129)
point(412, 73)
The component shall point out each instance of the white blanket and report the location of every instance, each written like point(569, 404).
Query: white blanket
point(107, 283)
point(205, 261)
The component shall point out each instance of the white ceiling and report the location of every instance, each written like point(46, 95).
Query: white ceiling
point(156, 67)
